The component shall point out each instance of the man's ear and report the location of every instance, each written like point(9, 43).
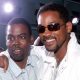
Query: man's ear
point(69, 26)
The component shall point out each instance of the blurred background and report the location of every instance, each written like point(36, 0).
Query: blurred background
point(28, 9)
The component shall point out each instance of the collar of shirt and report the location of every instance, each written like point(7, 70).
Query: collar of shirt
point(48, 67)
point(69, 59)
point(49, 59)
point(16, 69)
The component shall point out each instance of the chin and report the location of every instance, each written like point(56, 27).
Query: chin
point(49, 49)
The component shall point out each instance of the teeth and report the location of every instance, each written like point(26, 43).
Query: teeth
point(50, 40)
point(17, 50)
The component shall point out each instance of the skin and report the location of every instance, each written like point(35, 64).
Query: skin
point(18, 42)
point(55, 41)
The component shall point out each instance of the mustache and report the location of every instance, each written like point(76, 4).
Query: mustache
point(16, 47)
point(48, 38)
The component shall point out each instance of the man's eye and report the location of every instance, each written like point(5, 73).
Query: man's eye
point(23, 37)
point(10, 38)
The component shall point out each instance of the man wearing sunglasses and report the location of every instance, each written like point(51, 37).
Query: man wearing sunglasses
point(62, 49)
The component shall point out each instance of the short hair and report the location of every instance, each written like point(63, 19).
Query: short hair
point(21, 21)
point(63, 11)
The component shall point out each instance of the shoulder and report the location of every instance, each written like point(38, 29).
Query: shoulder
point(5, 75)
point(36, 54)
point(5, 53)
point(37, 50)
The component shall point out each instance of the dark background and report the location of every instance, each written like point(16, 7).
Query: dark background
point(28, 9)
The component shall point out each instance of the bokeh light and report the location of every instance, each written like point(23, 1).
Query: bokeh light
point(8, 7)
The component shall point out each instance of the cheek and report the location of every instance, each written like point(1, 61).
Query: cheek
point(25, 43)
point(61, 34)
point(61, 37)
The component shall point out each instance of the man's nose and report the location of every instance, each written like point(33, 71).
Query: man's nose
point(16, 41)
point(47, 32)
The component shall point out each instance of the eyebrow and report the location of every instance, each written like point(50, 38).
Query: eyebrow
point(19, 34)
point(23, 34)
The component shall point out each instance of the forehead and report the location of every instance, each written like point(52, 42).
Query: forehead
point(17, 29)
point(48, 17)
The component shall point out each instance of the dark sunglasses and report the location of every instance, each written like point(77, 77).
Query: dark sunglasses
point(51, 27)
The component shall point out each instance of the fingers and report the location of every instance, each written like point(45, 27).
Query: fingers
point(4, 62)
point(1, 61)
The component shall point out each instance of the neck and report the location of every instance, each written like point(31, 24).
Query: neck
point(60, 55)
point(22, 64)
point(61, 52)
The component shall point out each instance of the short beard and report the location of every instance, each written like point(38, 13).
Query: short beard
point(17, 59)
point(56, 48)
point(53, 50)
